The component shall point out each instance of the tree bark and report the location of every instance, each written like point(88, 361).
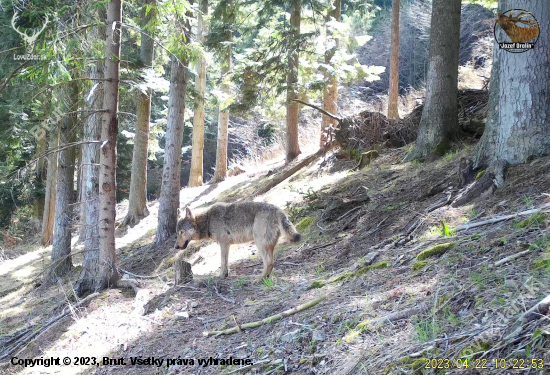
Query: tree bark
point(519, 107)
point(223, 118)
point(171, 172)
point(90, 177)
point(292, 107)
point(108, 274)
point(393, 105)
point(48, 217)
point(61, 249)
point(223, 125)
point(330, 93)
point(196, 173)
point(170, 186)
point(440, 114)
point(137, 205)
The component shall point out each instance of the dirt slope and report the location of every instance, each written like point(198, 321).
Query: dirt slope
point(450, 302)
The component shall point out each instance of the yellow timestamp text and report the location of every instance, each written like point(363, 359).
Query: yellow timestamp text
point(482, 363)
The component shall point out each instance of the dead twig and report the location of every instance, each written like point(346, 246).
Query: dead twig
point(267, 320)
point(501, 218)
point(511, 257)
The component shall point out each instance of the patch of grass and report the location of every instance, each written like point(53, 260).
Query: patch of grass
point(304, 223)
point(435, 250)
point(320, 269)
point(426, 329)
point(533, 220)
point(450, 155)
point(317, 284)
point(527, 200)
point(446, 230)
point(241, 281)
point(268, 282)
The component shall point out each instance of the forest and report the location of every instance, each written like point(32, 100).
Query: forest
point(387, 163)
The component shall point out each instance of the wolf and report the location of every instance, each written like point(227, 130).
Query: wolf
point(236, 223)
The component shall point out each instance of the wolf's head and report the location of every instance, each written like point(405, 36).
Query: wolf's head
point(186, 229)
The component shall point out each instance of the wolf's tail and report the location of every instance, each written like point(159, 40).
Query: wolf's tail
point(288, 228)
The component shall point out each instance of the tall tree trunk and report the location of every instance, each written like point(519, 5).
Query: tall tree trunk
point(108, 274)
point(61, 249)
point(292, 107)
point(519, 106)
point(223, 118)
point(90, 177)
point(195, 176)
point(440, 114)
point(330, 93)
point(48, 217)
point(137, 205)
point(393, 107)
point(169, 200)
point(223, 125)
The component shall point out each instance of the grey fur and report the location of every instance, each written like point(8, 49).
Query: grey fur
point(236, 223)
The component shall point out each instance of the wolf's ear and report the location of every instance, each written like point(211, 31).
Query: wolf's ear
point(188, 213)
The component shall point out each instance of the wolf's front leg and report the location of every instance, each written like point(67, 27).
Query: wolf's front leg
point(224, 272)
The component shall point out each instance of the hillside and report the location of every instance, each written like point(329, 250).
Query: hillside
point(393, 296)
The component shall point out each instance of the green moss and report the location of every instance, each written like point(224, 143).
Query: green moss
point(541, 263)
point(317, 284)
point(304, 223)
point(435, 250)
point(534, 220)
point(360, 271)
point(417, 266)
point(480, 174)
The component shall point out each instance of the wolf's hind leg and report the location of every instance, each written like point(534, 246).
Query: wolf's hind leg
point(267, 257)
point(224, 270)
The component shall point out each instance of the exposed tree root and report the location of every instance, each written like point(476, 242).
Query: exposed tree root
point(267, 320)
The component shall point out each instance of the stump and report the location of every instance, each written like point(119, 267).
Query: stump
point(182, 271)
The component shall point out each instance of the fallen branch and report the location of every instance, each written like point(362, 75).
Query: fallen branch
point(267, 320)
point(400, 315)
point(222, 297)
point(501, 218)
point(23, 340)
point(141, 276)
point(279, 177)
point(511, 257)
point(331, 115)
point(536, 312)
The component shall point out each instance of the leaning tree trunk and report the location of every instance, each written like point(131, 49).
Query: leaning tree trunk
point(48, 217)
point(195, 175)
point(108, 274)
point(330, 93)
point(137, 202)
point(61, 249)
point(519, 107)
point(393, 97)
point(90, 177)
point(440, 114)
point(292, 107)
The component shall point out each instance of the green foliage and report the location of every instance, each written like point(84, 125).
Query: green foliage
point(304, 223)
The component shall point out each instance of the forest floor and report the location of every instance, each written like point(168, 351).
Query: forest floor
point(457, 303)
